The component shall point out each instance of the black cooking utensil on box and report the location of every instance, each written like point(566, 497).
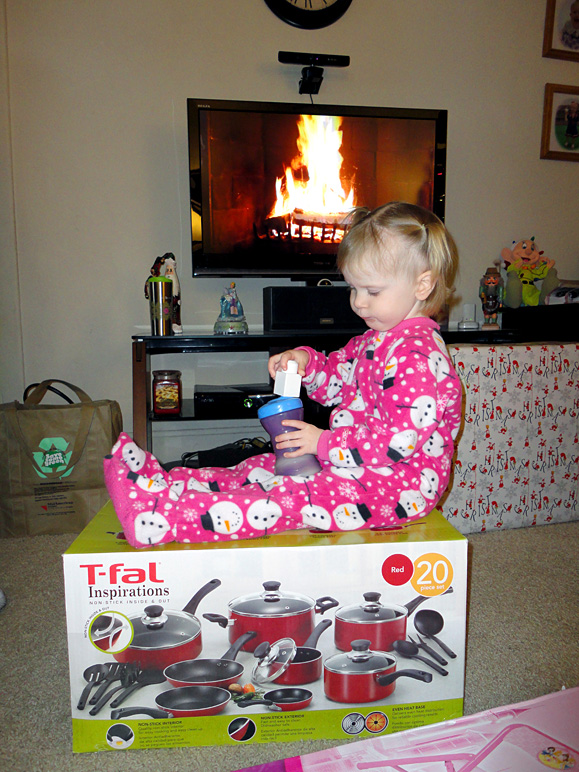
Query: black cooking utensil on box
point(114, 672)
point(93, 676)
point(144, 678)
point(428, 649)
point(410, 650)
point(128, 676)
point(430, 623)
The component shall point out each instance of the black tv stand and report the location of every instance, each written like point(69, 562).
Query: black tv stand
point(147, 346)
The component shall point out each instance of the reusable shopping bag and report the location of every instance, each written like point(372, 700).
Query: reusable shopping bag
point(51, 461)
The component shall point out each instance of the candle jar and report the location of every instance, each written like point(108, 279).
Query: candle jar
point(167, 392)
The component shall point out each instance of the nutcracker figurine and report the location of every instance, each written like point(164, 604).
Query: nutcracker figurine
point(171, 273)
point(491, 295)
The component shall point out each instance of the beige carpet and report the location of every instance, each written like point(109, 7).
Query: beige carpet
point(523, 631)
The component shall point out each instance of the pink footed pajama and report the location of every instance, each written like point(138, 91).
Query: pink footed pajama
point(385, 459)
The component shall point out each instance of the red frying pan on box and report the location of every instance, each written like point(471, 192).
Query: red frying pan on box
point(182, 703)
point(209, 672)
point(281, 699)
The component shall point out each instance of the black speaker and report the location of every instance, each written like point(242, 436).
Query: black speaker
point(309, 308)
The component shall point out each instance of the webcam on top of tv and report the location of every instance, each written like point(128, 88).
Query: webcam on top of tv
point(313, 73)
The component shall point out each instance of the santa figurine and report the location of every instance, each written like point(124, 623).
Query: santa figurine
point(168, 263)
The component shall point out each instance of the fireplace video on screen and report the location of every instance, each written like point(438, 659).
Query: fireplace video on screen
point(277, 188)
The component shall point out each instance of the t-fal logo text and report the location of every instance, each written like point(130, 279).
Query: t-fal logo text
point(117, 576)
point(118, 572)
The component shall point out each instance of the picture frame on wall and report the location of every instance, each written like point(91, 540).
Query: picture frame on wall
point(560, 137)
point(561, 38)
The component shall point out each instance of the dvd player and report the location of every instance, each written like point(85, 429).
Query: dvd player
point(231, 401)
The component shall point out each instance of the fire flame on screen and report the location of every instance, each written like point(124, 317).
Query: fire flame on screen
point(312, 185)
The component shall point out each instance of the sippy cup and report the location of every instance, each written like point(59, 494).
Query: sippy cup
point(288, 406)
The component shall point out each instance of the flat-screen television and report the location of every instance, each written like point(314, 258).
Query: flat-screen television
point(271, 183)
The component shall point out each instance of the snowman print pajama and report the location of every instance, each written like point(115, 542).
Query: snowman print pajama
point(386, 457)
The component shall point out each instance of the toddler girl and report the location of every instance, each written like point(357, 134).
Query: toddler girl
point(386, 456)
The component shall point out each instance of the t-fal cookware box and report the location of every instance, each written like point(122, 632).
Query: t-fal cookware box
point(303, 635)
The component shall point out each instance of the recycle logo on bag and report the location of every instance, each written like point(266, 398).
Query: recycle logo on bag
point(52, 457)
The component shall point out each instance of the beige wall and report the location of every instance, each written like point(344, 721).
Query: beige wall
point(93, 141)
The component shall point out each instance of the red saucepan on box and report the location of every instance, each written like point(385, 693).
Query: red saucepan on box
point(209, 672)
point(182, 702)
point(362, 675)
point(379, 623)
point(273, 614)
point(286, 663)
point(163, 637)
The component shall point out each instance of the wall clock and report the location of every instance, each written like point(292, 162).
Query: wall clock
point(309, 14)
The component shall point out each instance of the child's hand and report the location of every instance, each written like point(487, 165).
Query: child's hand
point(306, 438)
point(278, 362)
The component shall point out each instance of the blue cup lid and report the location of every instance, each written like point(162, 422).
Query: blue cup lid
point(277, 406)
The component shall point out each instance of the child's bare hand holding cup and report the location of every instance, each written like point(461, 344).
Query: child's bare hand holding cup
point(278, 362)
point(302, 440)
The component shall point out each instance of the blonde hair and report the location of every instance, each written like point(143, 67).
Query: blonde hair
point(401, 238)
